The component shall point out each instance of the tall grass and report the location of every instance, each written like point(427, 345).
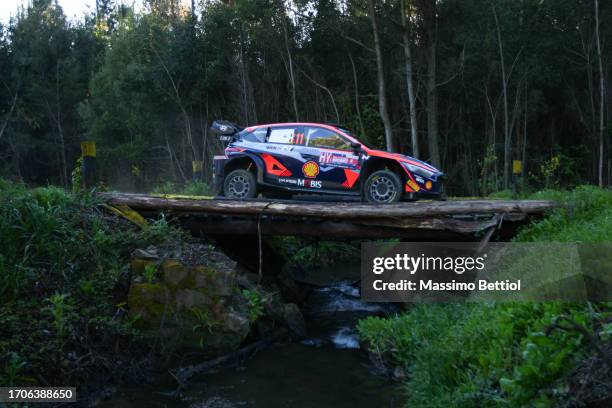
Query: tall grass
point(62, 260)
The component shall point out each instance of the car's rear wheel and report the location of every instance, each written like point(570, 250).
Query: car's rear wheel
point(383, 187)
point(240, 185)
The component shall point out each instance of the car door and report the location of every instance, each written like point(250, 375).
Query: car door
point(282, 162)
point(337, 165)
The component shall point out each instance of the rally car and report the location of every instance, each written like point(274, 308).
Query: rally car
point(283, 159)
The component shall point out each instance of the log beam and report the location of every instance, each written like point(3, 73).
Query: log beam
point(420, 221)
point(328, 210)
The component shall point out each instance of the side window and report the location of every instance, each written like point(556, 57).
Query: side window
point(258, 135)
point(320, 137)
point(282, 135)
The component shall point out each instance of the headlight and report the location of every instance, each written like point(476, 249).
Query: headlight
point(418, 170)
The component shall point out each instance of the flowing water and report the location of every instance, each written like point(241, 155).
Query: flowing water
point(326, 369)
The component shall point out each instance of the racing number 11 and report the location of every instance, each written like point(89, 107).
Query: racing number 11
point(297, 138)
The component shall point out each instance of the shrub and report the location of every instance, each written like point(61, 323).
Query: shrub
point(191, 188)
point(196, 188)
point(62, 262)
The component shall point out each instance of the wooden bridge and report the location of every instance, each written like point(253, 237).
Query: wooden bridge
point(453, 220)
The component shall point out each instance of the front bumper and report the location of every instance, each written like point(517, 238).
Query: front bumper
point(415, 189)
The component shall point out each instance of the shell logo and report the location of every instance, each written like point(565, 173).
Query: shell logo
point(310, 169)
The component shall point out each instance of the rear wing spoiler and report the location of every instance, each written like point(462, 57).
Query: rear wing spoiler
point(225, 130)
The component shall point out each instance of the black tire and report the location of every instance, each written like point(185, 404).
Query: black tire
point(240, 185)
point(383, 187)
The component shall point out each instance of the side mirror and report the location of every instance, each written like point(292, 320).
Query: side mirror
point(356, 147)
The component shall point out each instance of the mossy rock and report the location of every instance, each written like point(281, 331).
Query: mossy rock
point(186, 299)
point(216, 282)
point(146, 300)
point(175, 273)
point(139, 265)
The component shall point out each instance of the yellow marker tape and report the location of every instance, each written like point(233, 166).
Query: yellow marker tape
point(181, 196)
point(88, 148)
point(126, 212)
point(197, 165)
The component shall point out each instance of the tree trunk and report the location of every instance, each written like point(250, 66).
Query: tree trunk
point(291, 73)
point(10, 115)
point(357, 108)
point(60, 130)
point(432, 97)
point(409, 80)
point(507, 140)
point(600, 165)
point(524, 152)
point(382, 97)
point(492, 149)
point(243, 82)
point(179, 102)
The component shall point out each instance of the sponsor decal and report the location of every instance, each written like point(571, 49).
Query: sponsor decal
point(301, 182)
point(313, 183)
point(337, 159)
point(310, 169)
point(287, 181)
point(275, 147)
point(308, 150)
point(419, 179)
point(413, 185)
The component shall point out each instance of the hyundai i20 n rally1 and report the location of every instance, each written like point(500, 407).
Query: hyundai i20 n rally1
point(293, 158)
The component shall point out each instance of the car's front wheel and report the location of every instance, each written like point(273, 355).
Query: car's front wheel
point(240, 185)
point(383, 187)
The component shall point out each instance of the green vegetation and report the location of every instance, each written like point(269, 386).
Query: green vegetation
point(62, 272)
point(586, 216)
point(255, 303)
point(192, 188)
point(150, 273)
point(514, 355)
point(308, 255)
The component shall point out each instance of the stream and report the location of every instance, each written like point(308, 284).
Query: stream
point(326, 369)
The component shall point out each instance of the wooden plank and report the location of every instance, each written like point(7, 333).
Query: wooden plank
point(342, 211)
